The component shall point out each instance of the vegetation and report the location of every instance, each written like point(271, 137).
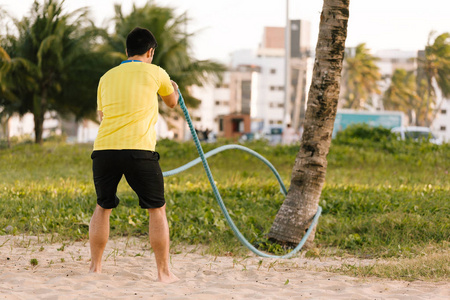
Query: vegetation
point(402, 95)
point(51, 61)
point(435, 67)
point(360, 77)
point(50, 64)
point(383, 198)
point(414, 92)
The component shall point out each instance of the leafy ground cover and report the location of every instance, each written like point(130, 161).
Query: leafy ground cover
point(383, 198)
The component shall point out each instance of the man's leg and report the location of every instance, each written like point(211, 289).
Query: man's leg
point(159, 240)
point(98, 237)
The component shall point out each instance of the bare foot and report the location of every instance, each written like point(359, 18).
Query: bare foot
point(170, 278)
point(95, 269)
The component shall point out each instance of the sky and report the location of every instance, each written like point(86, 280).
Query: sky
point(225, 26)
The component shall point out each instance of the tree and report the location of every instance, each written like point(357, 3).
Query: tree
point(434, 67)
point(10, 91)
point(174, 50)
point(402, 95)
point(52, 62)
point(360, 77)
point(415, 92)
point(308, 174)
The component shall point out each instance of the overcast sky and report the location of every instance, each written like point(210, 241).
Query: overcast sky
point(228, 25)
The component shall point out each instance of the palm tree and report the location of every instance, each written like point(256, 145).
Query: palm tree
point(15, 84)
point(308, 174)
point(360, 77)
point(57, 68)
point(435, 66)
point(402, 95)
point(174, 50)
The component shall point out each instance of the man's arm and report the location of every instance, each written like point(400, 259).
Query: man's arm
point(172, 99)
point(100, 115)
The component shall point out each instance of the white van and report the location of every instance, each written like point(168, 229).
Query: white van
point(417, 133)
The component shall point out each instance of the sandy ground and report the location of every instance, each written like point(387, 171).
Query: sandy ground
point(129, 273)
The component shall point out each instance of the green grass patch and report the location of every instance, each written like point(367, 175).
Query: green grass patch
point(383, 198)
point(435, 266)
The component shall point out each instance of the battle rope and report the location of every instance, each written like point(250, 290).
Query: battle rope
point(203, 157)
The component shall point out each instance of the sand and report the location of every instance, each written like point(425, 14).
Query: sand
point(129, 273)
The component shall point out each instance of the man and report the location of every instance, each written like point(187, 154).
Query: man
point(125, 145)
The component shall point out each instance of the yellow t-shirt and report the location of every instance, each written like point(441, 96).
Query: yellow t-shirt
point(127, 96)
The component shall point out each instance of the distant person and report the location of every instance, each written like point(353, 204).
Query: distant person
point(206, 134)
point(288, 136)
point(128, 108)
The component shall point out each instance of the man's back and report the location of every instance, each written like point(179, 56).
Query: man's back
point(127, 96)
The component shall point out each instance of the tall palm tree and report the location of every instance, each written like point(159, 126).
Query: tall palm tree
point(360, 77)
point(174, 50)
point(55, 54)
point(436, 69)
point(402, 95)
point(308, 174)
point(15, 83)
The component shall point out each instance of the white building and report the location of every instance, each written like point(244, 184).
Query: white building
point(215, 101)
point(255, 83)
point(441, 124)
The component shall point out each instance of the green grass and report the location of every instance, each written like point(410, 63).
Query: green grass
point(382, 199)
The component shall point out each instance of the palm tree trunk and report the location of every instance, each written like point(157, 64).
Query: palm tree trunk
point(308, 174)
point(5, 128)
point(38, 113)
point(427, 109)
point(38, 127)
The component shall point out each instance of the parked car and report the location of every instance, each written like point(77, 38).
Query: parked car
point(416, 133)
point(252, 136)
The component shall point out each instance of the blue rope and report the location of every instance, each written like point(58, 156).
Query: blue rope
point(203, 157)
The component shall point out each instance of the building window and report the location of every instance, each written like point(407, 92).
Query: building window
point(220, 124)
point(225, 102)
point(271, 122)
point(281, 105)
point(443, 111)
point(198, 119)
point(279, 122)
point(277, 88)
point(443, 128)
point(222, 86)
point(273, 71)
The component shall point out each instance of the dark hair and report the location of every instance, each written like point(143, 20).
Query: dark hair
point(139, 41)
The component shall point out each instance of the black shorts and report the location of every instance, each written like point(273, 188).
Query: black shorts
point(142, 172)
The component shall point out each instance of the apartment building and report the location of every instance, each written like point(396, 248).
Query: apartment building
point(255, 85)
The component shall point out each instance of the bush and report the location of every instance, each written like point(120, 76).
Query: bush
point(364, 132)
